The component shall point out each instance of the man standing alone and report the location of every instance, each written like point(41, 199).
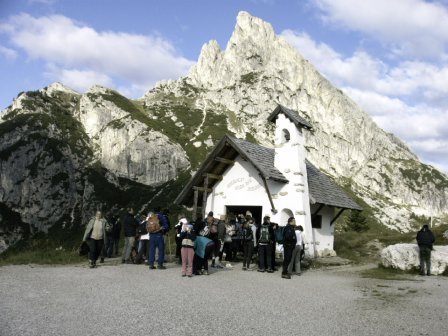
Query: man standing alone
point(425, 240)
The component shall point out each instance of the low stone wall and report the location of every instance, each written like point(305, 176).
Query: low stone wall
point(405, 257)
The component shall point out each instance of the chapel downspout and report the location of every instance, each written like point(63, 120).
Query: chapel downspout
point(266, 187)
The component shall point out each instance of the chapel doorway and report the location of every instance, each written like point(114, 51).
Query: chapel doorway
point(235, 210)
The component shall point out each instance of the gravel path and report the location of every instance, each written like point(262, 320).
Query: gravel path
point(131, 299)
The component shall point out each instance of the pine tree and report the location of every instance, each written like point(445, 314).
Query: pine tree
point(356, 221)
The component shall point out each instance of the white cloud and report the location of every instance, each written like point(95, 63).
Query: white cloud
point(364, 71)
point(8, 53)
point(78, 79)
point(409, 100)
point(83, 54)
point(412, 26)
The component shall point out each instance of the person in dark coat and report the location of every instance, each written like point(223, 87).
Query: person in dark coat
point(265, 238)
point(109, 247)
point(116, 232)
point(425, 240)
point(130, 225)
point(289, 243)
point(182, 220)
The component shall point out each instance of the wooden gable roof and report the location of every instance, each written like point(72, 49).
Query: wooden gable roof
point(321, 188)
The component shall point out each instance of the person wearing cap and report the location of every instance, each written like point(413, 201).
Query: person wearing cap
point(425, 240)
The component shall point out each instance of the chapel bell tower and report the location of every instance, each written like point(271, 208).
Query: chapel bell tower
point(293, 197)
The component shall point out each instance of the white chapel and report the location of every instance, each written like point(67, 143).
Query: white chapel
point(239, 175)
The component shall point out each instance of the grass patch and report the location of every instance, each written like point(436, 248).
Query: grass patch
point(59, 246)
point(383, 273)
point(249, 78)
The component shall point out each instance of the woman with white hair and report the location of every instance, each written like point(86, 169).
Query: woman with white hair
point(95, 236)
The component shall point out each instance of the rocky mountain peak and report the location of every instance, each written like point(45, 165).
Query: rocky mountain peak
point(57, 87)
point(98, 89)
point(252, 50)
point(251, 28)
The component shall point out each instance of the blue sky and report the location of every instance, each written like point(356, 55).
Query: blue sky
point(391, 57)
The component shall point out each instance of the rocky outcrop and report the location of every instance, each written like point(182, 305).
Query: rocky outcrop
point(126, 140)
point(405, 257)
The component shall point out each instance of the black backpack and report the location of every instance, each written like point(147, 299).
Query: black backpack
point(289, 235)
point(248, 235)
point(141, 229)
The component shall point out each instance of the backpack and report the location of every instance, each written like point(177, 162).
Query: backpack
point(264, 234)
point(279, 234)
point(109, 226)
point(168, 223)
point(142, 229)
point(248, 235)
point(153, 224)
point(289, 235)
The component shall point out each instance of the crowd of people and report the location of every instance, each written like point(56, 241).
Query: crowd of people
point(232, 238)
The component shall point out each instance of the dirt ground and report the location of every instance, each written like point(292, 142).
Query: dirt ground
point(117, 299)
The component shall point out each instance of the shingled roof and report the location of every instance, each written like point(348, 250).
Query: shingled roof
point(322, 189)
point(261, 157)
point(291, 115)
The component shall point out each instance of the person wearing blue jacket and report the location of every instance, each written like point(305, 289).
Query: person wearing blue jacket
point(203, 250)
point(157, 241)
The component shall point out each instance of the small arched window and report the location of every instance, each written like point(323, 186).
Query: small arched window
point(285, 136)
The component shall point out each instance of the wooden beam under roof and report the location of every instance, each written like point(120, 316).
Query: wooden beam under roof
point(204, 198)
point(226, 161)
point(213, 176)
point(195, 204)
point(202, 189)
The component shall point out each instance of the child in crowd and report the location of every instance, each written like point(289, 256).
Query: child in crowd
point(188, 237)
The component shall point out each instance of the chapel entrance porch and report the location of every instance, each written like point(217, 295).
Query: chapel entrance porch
point(235, 210)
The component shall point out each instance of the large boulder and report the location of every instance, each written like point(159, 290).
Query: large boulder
point(405, 257)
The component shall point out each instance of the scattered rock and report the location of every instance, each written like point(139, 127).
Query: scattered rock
point(405, 257)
